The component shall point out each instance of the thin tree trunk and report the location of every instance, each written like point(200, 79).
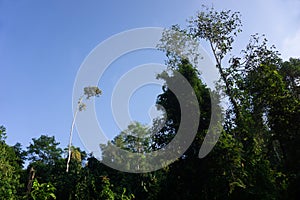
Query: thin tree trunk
point(227, 85)
point(71, 134)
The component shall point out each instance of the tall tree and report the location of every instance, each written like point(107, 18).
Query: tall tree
point(187, 176)
point(219, 29)
point(91, 91)
point(254, 87)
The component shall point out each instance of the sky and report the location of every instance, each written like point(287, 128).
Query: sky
point(43, 44)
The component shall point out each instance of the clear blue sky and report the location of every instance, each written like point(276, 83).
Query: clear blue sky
point(43, 43)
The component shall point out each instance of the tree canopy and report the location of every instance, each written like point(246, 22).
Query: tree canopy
point(257, 154)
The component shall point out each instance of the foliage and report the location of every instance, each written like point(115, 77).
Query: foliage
point(256, 156)
point(92, 91)
point(106, 192)
point(260, 106)
point(42, 191)
point(135, 139)
point(9, 178)
point(44, 149)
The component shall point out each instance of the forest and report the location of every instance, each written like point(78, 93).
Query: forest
point(257, 155)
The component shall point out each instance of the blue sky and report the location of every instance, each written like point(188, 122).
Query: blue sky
point(43, 43)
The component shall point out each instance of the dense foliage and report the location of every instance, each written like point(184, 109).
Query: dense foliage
point(256, 157)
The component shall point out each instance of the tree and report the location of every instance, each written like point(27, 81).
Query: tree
point(264, 113)
point(220, 30)
point(135, 139)
point(256, 156)
point(284, 121)
point(290, 71)
point(9, 174)
point(66, 182)
point(188, 176)
point(44, 154)
point(44, 149)
point(260, 110)
point(20, 153)
point(89, 92)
